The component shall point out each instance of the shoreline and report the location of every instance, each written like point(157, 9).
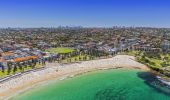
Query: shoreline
point(54, 79)
point(57, 71)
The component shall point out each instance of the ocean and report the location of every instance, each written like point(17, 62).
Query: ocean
point(115, 84)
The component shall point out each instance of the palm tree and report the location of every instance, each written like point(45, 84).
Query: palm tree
point(43, 61)
point(20, 66)
point(3, 69)
point(23, 66)
point(75, 59)
point(29, 64)
point(9, 65)
point(15, 68)
point(26, 64)
point(33, 63)
point(40, 62)
point(79, 58)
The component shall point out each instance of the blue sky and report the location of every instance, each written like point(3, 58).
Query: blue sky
point(89, 13)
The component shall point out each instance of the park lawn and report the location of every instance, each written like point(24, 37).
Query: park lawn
point(133, 53)
point(60, 50)
point(3, 74)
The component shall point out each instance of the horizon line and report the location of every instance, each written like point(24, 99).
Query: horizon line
point(76, 26)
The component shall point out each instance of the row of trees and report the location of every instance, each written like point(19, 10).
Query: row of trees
point(15, 66)
point(83, 55)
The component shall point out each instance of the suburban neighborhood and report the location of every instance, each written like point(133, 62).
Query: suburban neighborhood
point(25, 49)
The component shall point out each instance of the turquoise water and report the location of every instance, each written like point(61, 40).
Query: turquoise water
point(118, 84)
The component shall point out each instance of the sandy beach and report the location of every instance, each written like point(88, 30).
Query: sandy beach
point(61, 71)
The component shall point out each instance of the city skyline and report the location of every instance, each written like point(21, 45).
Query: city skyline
point(86, 13)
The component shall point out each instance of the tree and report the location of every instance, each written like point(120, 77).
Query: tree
point(9, 65)
point(85, 58)
point(75, 59)
point(33, 63)
point(20, 66)
point(80, 58)
point(15, 68)
point(29, 63)
point(69, 59)
point(26, 64)
point(3, 69)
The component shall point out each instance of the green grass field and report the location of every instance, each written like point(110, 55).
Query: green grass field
point(132, 53)
point(60, 50)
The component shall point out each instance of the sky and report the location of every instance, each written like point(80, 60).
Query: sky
point(87, 13)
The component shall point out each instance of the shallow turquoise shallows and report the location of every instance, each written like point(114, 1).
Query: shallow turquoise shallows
point(117, 84)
